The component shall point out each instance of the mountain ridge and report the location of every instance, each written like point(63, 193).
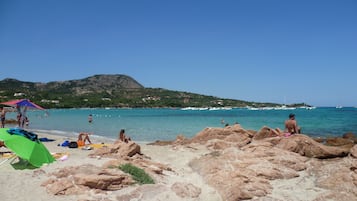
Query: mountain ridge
point(109, 90)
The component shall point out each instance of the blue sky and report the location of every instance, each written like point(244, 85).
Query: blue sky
point(265, 51)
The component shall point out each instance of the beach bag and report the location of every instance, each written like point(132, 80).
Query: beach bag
point(65, 143)
point(73, 144)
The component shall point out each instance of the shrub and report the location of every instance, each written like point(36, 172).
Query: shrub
point(138, 174)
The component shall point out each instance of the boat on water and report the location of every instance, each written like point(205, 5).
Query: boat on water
point(220, 108)
point(283, 107)
point(308, 107)
point(194, 108)
point(206, 108)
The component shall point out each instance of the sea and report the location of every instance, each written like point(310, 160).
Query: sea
point(148, 125)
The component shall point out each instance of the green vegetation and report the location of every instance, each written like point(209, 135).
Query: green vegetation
point(114, 91)
point(138, 174)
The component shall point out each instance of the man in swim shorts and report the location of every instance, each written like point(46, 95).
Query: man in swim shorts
point(291, 125)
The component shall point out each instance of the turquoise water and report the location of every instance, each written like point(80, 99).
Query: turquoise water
point(166, 124)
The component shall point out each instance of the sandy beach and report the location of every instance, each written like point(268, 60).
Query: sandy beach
point(187, 177)
point(26, 184)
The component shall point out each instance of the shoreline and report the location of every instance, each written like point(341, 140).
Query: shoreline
point(165, 124)
point(31, 180)
point(195, 171)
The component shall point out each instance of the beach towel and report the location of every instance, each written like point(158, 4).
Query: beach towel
point(97, 146)
point(45, 139)
point(24, 133)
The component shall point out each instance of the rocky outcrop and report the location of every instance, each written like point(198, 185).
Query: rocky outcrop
point(186, 190)
point(308, 147)
point(234, 135)
point(245, 172)
point(118, 150)
point(353, 151)
point(76, 180)
point(263, 133)
point(151, 167)
point(346, 141)
point(338, 176)
point(237, 163)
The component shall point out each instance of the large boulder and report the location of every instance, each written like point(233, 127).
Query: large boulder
point(350, 136)
point(340, 141)
point(353, 151)
point(231, 134)
point(244, 174)
point(265, 132)
point(76, 180)
point(338, 176)
point(118, 150)
point(149, 166)
point(186, 190)
point(308, 147)
point(243, 171)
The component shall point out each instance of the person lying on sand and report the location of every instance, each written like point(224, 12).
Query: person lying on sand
point(82, 138)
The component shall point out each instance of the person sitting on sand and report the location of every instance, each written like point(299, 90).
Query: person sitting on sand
point(291, 125)
point(123, 137)
point(82, 138)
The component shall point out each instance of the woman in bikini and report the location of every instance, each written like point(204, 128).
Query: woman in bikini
point(82, 138)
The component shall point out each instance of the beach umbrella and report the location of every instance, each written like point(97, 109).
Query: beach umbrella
point(22, 105)
point(26, 145)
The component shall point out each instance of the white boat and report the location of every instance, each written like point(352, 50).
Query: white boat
point(220, 108)
point(252, 108)
point(195, 108)
point(307, 107)
point(284, 108)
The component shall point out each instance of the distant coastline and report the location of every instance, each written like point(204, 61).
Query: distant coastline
point(114, 91)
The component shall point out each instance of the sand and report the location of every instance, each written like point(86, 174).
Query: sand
point(26, 184)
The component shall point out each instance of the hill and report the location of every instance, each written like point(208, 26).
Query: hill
point(109, 91)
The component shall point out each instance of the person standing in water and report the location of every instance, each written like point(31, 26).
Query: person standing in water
point(90, 118)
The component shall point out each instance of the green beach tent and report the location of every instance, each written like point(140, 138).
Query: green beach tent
point(26, 146)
